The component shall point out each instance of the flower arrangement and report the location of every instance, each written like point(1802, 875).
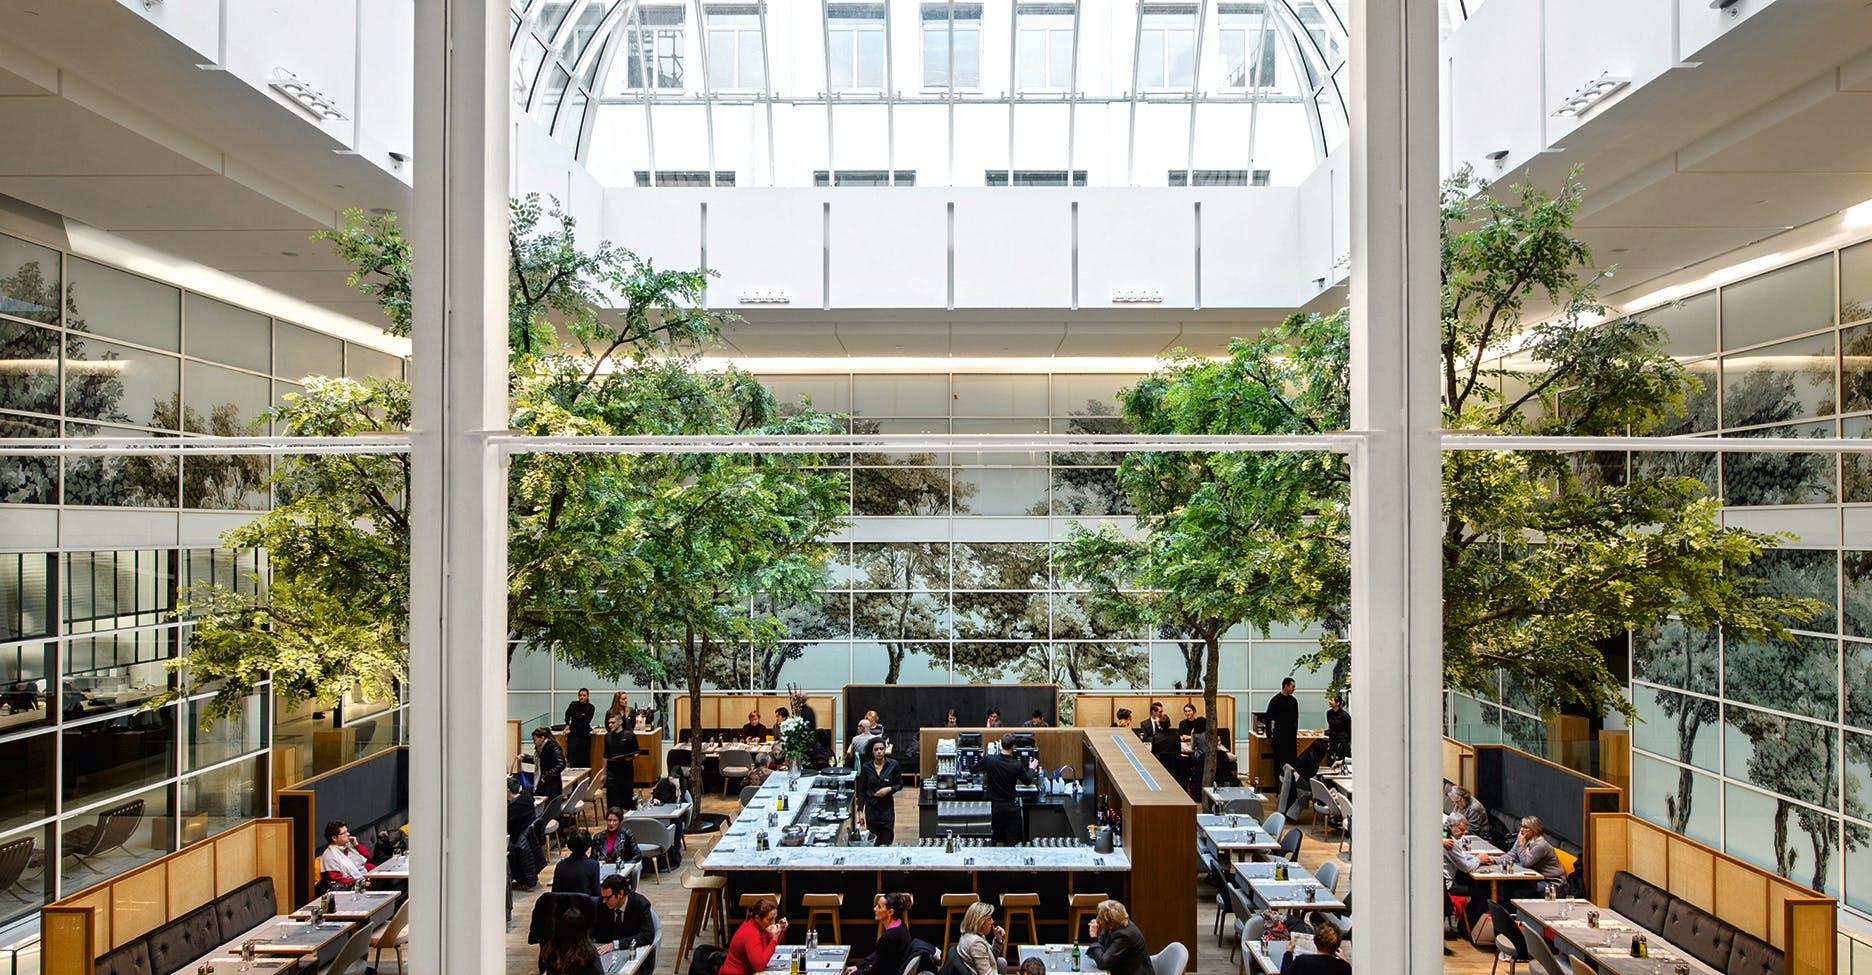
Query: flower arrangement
point(796, 739)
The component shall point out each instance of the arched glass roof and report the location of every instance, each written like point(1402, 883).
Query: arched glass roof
point(938, 92)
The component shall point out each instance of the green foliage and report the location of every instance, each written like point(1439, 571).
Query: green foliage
point(1539, 563)
point(612, 559)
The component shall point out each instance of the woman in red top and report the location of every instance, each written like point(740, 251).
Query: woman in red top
point(753, 943)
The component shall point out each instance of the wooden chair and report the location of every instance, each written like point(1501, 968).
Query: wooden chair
point(1020, 906)
point(705, 902)
point(824, 906)
point(954, 906)
point(1081, 908)
point(393, 935)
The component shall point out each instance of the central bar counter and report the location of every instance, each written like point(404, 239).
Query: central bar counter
point(1160, 823)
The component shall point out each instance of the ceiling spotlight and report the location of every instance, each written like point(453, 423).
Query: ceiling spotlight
point(1144, 296)
point(1497, 156)
point(305, 96)
point(765, 296)
point(1588, 96)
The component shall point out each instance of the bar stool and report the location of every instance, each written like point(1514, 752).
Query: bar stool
point(749, 900)
point(1015, 906)
point(824, 906)
point(1081, 908)
point(705, 900)
point(954, 906)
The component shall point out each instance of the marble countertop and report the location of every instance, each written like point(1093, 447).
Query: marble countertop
point(736, 850)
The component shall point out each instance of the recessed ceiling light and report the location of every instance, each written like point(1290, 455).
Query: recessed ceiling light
point(289, 253)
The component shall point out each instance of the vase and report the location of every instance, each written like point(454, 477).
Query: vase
point(792, 776)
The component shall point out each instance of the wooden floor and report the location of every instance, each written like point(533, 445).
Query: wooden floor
point(666, 894)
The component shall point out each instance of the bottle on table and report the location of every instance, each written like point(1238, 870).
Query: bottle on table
point(1076, 956)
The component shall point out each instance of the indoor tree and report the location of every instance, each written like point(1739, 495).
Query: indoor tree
point(597, 343)
point(1540, 563)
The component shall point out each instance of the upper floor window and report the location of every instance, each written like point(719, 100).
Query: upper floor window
point(1245, 36)
point(1044, 46)
point(864, 177)
point(734, 47)
point(1036, 177)
point(855, 46)
point(1219, 177)
point(653, 50)
point(952, 39)
point(1167, 46)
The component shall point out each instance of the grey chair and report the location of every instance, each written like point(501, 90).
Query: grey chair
point(1509, 943)
point(1290, 845)
point(1242, 807)
point(352, 955)
point(1243, 911)
point(748, 793)
point(15, 857)
point(392, 935)
point(1324, 807)
point(1252, 931)
point(655, 838)
point(1328, 876)
point(1284, 797)
point(575, 804)
point(1171, 960)
point(735, 764)
point(1275, 822)
point(549, 816)
point(114, 828)
point(1542, 957)
point(1345, 821)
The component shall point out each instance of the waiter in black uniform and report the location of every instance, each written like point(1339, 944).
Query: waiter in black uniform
point(1164, 743)
point(578, 727)
point(1283, 724)
point(1000, 775)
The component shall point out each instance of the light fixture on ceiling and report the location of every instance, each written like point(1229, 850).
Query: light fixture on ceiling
point(1497, 156)
point(1137, 296)
point(765, 296)
point(1724, 5)
point(1589, 95)
point(1858, 215)
point(308, 98)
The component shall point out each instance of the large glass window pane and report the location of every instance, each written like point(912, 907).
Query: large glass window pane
point(1799, 674)
point(106, 301)
point(29, 367)
point(1088, 395)
point(900, 662)
point(1808, 573)
point(1783, 755)
point(1677, 798)
point(1075, 619)
point(1767, 479)
point(1000, 491)
point(1778, 383)
point(26, 609)
point(1689, 325)
point(26, 791)
point(224, 403)
point(25, 670)
point(227, 334)
point(824, 665)
point(907, 566)
point(900, 491)
point(119, 384)
point(28, 480)
point(1001, 565)
point(1020, 458)
point(1677, 726)
point(116, 590)
point(137, 481)
point(116, 836)
point(110, 673)
point(1001, 663)
point(900, 616)
point(1000, 396)
point(222, 798)
point(1001, 615)
point(230, 737)
point(1856, 287)
point(32, 887)
point(118, 754)
point(363, 361)
point(301, 352)
point(900, 396)
point(1101, 666)
point(29, 280)
point(1778, 304)
point(911, 458)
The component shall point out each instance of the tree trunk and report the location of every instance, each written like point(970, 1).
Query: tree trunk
point(895, 653)
point(1823, 853)
point(692, 659)
point(1688, 724)
point(1192, 663)
point(1214, 642)
point(1784, 857)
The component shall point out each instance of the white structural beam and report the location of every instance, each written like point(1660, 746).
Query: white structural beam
point(458, 604)
point(1396, 630)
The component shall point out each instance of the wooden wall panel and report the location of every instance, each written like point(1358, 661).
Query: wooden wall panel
point(1159, 821)
point(1742, 896)
point(1607, 837)
point(1778, 897)
point(66, 940)
point(1813, 946)
point(191, 878)
point(1693, 873)
point(139, 903)
point(1647, 852)
point(273, 857)
point(1096, 710)
point(235, 853)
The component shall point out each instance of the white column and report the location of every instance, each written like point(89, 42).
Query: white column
point(1396, 631)
point(458, 606)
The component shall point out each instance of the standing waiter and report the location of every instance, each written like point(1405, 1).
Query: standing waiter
point(1283, 723)
point(1000, 775)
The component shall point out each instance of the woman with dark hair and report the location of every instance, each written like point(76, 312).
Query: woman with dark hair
point(578, 728)
point(550, 759)
point(569, 950)
point(578, 872)
point(952, 720)
point(616, 844)
point(752, 946)
point(894, 945)
point(877, 786)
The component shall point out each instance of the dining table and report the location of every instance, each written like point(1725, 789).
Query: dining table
point(281, 944)
point(823, 960)
point(1607, 946)
point(1236, 835)
point(622, 961)
point(1269, 955)
point(1058, 958)
point(395, 868)
point(1220, 796)
point(1290, 894)
point(366, 907)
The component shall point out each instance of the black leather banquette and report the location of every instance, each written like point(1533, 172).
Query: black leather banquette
point(172, 947)
point(1702, 935)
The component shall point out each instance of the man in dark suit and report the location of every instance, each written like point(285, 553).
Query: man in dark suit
point(1283, 723)
point(578, 872)
point(1001, 776)
point(1165, 744)
point(624, 916)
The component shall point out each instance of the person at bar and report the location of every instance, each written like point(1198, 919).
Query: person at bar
point(550, 759)
point(1163, 739)
point(1124, 718)
point(754, 729)
point(621, 750)
point(1001, 776)
point(578, 729)
point(1119, 947)
point(953, 720)
point(1038, 720)
point(894, 945)
point(994, 718)
point(624, 916)
point(620, 708)
point(752, 946)
point(1283, 724)
point(982, 941)
point(877, 784)
point(1338, 728)
point(861, 742)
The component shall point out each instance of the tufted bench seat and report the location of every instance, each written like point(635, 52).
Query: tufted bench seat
point(171, 948)
point(1644, 902)
point(1702, 935)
